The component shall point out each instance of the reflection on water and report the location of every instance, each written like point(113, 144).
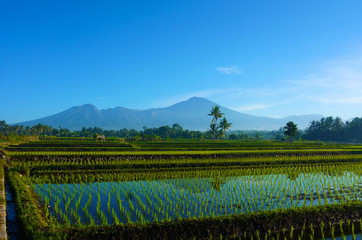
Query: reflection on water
point(147, 201)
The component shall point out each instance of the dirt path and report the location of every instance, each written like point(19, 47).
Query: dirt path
point(3, 233)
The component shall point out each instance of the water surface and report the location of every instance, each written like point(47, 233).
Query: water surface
point(156, 200)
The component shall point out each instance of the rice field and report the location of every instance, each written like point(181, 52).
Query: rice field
point(84, 193)
point(108, 203)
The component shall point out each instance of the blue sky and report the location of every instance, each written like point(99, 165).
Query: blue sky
point(266, 58)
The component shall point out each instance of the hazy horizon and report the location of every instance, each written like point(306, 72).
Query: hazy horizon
point(270, 59)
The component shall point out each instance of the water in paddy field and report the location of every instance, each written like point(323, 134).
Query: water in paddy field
point(148, 201)
point(346, 237)
point(349, 237)
point(12, 224)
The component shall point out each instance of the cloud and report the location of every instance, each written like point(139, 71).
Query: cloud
point(229, 70)
point(342, 100)
point(333, 88)
point(339, 82)
point(253, 107)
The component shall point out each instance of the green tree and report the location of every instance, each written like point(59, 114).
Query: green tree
point(213, 129)
point(233, 137)
point(224, 125)
point(216, 115)
point(3, 128)
point(21, 130)
point(291, 130)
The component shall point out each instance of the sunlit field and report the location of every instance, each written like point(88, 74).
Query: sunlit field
point(242, 189)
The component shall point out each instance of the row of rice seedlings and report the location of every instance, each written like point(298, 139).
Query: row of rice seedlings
point(134, 162)
point(182, 152)
point(291, 172)
point(340, 230)
point(105, 203)
point(182, 142)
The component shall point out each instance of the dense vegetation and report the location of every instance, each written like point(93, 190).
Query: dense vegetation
point(326, 129)
point(334, 129)
point(165, 132)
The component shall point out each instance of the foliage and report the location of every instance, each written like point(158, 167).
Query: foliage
point(334, 129)
point(165, 132)
point(255, 135)
point(223, 126)
point(215, 113)
point(326, 129)
point(291, 130)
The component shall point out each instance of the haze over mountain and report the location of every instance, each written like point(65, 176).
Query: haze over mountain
point(190, 114)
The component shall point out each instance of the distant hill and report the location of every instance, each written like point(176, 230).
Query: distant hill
point(190, 114)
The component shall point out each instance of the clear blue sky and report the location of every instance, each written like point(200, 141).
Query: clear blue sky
point(266, 58)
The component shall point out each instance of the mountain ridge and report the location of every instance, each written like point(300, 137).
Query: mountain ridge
point(191, 114)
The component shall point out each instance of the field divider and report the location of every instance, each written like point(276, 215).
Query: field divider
point(227, 226)
point(3, 232)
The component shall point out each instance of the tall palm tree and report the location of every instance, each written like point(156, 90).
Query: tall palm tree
point(213, 129)
point(224, 125)
point(216, 113)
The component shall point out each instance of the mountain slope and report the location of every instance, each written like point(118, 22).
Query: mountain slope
point(190, 114)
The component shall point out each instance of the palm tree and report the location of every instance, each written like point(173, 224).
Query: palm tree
point(3, 127)
point(213, 129)
point(21, 130)
point(216, 113)
point(224, 125)
point(27, 130)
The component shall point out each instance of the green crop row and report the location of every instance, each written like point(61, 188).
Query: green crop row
point(188, 154)
point(238, 144)
point(75, 139)
point(71, 149)
point(190, 145)
point(100, 175)
point(60, 163)
point(319, 222)
point(72, 144)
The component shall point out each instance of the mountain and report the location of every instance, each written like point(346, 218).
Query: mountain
point(190, 114)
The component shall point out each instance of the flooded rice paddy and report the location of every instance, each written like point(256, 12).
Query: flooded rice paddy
point(107, 203)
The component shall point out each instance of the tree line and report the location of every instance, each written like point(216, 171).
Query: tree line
point(325, 129)
point(163, 132)
point(334, 129)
